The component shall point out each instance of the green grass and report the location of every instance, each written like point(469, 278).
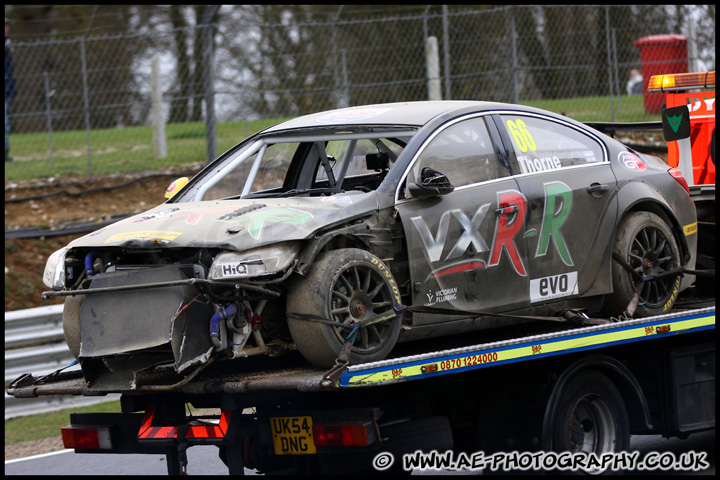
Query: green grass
point(117, 150)
point(43, 425)
point(129, 150)
point(599, 109)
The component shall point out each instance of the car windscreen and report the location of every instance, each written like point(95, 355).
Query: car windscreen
point(300, 163)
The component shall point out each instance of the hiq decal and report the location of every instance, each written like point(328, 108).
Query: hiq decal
point(508, 224)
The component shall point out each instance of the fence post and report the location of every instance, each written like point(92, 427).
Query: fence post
point(86, 106)
point(159, 140)
point(345, 100)
point(446, 49)
point(694, 63)
point(48, 111)
point(433, 68)
point(609, 62)
point(615, 69)
point(336, 80)
point(514, 95)
point(208, 66)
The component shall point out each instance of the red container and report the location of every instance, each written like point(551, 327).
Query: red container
point(661, 54)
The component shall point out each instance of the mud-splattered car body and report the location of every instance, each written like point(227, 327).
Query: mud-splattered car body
point(342, 219)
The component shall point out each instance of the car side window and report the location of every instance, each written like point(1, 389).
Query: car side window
point(542, 145)
point(348, 160)
point(463, 152)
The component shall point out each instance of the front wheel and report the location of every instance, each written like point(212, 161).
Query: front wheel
point(646, 244)
point(71, 323)
point(344, 287)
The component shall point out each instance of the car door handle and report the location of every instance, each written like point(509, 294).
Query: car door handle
point(506, 210)
point(598, 187)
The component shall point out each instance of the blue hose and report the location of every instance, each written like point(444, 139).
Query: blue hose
point(222, 314)
point(90, 261)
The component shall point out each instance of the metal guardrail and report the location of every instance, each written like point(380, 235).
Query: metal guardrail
point(34, 343)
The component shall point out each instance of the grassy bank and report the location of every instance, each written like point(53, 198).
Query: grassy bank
point(117, 150)
point(130, 149)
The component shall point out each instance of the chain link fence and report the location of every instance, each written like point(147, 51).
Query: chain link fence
point(92, 106)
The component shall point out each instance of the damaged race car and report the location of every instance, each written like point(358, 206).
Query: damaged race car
point(366, 226)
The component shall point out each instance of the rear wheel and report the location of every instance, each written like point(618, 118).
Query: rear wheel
point(343, 286)
point(590, 417)
point(646, 244)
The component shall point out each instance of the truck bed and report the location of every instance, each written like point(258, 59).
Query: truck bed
point(411, 361)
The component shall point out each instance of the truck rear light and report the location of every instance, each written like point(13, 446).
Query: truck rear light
point(677, 175)
point(90, 438)
point(341, 435)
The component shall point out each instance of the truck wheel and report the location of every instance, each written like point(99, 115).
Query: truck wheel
point(590, 417)
point(345, 286)
point(646, 244)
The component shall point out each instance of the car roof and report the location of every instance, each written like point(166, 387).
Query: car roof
point(400, 113)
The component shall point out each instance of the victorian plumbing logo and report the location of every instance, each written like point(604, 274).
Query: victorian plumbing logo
point(444, 295)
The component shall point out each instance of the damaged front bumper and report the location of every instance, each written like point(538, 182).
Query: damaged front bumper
point(140, 325)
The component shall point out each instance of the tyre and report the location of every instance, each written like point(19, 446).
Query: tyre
point(344, 286)
point(647, 245)
point(590, 417)
point(71, 323)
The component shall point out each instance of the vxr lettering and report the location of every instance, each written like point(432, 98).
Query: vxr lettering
point(510, 219)
point(506, 228)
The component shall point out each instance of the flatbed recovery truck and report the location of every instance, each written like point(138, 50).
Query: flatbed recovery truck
point(577, 388)
point(573, 384)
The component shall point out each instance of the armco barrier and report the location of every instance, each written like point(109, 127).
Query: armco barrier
point(34, 343)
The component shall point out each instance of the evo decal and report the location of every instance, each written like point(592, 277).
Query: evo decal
point(554, 286)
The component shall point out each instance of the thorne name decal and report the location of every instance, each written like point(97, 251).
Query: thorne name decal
point(509, 220)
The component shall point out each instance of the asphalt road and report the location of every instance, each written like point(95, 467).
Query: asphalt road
point(205, 461)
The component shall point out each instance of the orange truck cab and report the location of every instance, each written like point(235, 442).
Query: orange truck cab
point(694, 153)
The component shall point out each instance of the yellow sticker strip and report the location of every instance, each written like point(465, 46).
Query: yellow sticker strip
point(690, 229)
point(145, 235)
point(480, 358)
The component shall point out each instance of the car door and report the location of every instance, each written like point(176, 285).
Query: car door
point(464, 249)
point(564, 173)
